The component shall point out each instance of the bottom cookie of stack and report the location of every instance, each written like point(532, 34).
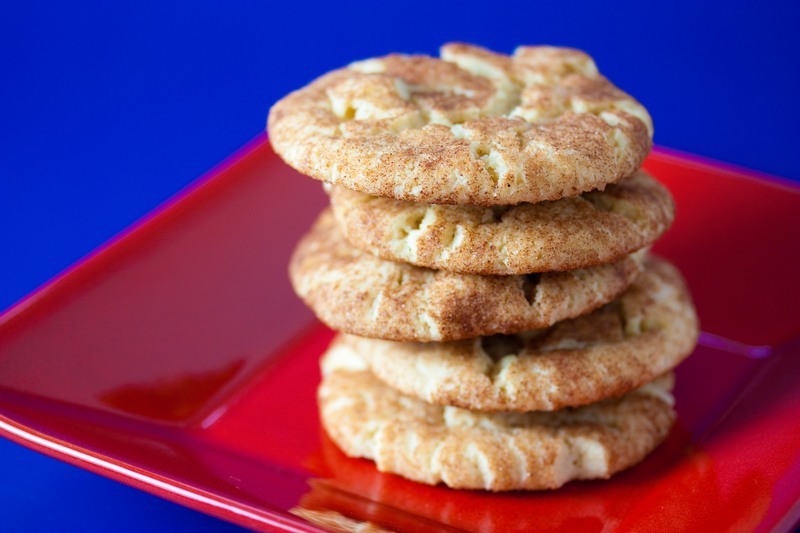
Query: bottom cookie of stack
point(492, 451)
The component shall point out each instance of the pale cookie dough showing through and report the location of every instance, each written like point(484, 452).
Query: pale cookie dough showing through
point(582, 231)
point(474, 127)
point(491, 451)
point(644, 333)
point(356, 292)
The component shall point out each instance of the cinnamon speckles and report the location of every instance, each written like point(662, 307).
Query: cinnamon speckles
point(548, 125)
point(594, 228)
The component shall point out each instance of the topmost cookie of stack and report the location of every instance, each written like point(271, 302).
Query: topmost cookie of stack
point(474, 127)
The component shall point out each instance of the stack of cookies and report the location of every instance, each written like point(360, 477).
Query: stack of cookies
point(484, 259)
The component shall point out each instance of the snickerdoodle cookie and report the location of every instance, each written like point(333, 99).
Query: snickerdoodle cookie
point(577, 232)
point(474, 127)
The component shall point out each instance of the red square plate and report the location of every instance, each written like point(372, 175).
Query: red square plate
point(176, 359)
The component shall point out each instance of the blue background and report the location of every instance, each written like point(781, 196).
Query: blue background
point(109, 108)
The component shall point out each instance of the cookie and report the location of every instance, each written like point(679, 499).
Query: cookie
point(621, 346)
point(474, 127)
point(581, 231)
point(491, 451)
point(356, 292)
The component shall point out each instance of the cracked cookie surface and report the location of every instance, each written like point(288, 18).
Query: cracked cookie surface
point(355, 292)
point(577, 232)
point(490, 451)
point(646, 332)
point(474, 127)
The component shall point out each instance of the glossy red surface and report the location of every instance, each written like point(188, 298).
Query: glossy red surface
point(177, 359)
